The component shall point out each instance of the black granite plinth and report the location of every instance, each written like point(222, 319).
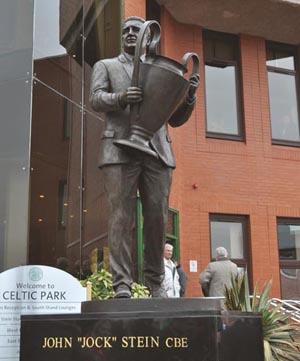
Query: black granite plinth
point(153, 305)
point(143, 330)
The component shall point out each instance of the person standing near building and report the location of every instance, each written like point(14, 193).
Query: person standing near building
point(171, 283)
point(218, 274)
point(182, 279)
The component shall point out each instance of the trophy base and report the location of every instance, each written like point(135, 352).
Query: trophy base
point(134, 144)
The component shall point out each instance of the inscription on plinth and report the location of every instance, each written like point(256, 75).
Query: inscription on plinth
point(146, 331)
point(113, 339)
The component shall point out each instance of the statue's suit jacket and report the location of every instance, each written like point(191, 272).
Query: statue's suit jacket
point(110, 78)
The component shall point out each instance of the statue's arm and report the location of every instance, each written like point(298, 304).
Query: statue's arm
point(101, 97)
point(182, 113)
point(185, 109)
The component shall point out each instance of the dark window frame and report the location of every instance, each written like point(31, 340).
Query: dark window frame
point(295, 52)
point(244, 220)
point(235, 41)
point(173, 237)
point(286, 264)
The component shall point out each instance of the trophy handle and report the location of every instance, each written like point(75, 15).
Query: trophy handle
point(155, 37)
point(187, 57)
point(140, 46)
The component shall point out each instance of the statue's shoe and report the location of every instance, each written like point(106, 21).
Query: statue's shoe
point(122, 292)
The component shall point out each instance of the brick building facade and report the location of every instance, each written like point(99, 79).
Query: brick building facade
point(250, 177)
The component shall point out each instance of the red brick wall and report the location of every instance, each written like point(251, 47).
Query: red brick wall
point(176, 40)
point(135, 8)
point(251, 178)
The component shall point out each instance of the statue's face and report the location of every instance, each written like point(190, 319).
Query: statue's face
point(129, 35)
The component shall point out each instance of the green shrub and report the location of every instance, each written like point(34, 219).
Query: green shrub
point(102, 289)
point(101, 282)
point(139, 291)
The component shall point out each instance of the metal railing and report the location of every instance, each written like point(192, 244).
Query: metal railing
point(290, 308)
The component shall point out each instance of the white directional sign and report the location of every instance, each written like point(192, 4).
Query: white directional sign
point(29, 290)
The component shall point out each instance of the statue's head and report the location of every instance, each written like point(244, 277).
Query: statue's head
point(130, 31)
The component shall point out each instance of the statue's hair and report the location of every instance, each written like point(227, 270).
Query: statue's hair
point(137, 18)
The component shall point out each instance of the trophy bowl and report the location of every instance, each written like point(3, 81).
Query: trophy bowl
point(164, 88)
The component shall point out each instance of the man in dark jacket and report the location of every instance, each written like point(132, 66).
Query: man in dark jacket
point(126, 172)
point(182, 280)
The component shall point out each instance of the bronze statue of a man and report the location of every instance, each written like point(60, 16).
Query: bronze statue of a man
point(126, 172)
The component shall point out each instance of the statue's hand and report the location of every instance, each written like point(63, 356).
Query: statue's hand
point(194, 83)
point(131, 95)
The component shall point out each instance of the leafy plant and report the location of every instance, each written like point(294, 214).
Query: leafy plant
point(139, 291)
point(101, 282)
point(102, 288)
point(278, 332)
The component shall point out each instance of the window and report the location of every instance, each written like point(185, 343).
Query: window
point(282, 78)
point(223, 104)
point(71, 220)
point(230, 232)
point(288, 231)
point(172, 236)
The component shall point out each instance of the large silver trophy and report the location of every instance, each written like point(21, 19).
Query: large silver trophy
point(163, 84)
